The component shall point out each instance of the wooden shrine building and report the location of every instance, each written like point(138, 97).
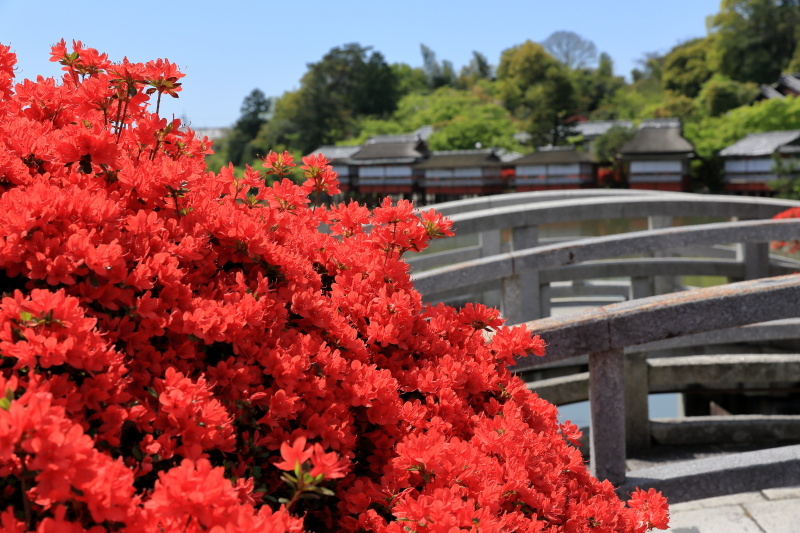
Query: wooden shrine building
point(555, 167)
point(658, 156)
point(752, 163)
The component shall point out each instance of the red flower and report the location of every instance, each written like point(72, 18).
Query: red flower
point(329, 465)
point(294, 455)
point(278, 164)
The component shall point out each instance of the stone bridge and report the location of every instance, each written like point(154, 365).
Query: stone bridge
point(618, 342)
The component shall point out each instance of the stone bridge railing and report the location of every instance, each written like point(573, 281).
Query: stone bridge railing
point(523, 269)
point(605, 332)
point(510, 256)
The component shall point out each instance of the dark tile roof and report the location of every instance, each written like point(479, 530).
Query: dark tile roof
point(461, 159)
point(768, 92)
point(660, 123)
point(658, 136)
point(594, 128)
point(337, 153)
point(555, 155)
point(767, 143)
point(790, 82)
point(384, 149)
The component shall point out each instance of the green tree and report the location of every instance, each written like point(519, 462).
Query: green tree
point(436, 74)
point(485, 123)
point(478, 68)
point(754, 40)
point(720, 94)
point(607, 146)
point(686, 67)
point(409, 79)
point(460, 119)
point(571, 50)
point(254, 110)
point(347, 83)
point(712, 134)
point(596, 87)
point(538, 91)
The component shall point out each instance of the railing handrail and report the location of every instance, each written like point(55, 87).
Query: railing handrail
point(633, 206)
point(503, 200)
point(604, 332)
point(499, 266)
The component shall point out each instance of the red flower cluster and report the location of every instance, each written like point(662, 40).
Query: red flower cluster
point(790, 246)
point(183, 350)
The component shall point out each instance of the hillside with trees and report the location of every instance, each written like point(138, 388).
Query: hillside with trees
point(540, 88)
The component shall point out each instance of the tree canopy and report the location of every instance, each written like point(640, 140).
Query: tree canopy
point(571, 50)
point(537, 90)
point(754, 40)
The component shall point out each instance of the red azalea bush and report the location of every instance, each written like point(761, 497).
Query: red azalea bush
point(182, 350)
point(791, 246)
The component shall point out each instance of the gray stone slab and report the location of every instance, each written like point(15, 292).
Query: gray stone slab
point(667, 316)
point(595, 208)
point(718, 501)
point(782, 516)
point(656, 266)
point(748, 430)
point(783, 493)
point(718, 476)
point(727, 519)
point(668, 372)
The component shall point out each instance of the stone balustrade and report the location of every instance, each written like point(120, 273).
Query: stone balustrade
point(509, 256)
point(605, 332)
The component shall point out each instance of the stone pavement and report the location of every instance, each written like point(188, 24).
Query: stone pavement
point(766, 511)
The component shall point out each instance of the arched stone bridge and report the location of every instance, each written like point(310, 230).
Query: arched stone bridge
point(762, 302)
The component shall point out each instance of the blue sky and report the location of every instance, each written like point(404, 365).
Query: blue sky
point(228, 48)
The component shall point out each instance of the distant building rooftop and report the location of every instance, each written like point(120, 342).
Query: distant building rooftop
point(337, 153)
point(657, 137)
point(762, 144)
point(594, 128)
point(461, 158)
point(555, 155)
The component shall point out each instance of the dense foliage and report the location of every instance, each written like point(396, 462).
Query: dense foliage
point(183, 350)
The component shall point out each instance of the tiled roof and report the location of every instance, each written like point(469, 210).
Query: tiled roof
point(594, 128)
point(461, 158)
point(787, 80)
point(767, 143)
point(660, 123)
point(768, 91)
point(337, 153)
point(658, 136)
point(555, 154)
point(379, 149)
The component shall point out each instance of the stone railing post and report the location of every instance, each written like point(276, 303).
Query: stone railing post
point(755, 256)
point(662, 284)
point(637, 416)
point(607, 404)
point(491, 242)
point(641, 287)
point(535, 298)
point(524, 299)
